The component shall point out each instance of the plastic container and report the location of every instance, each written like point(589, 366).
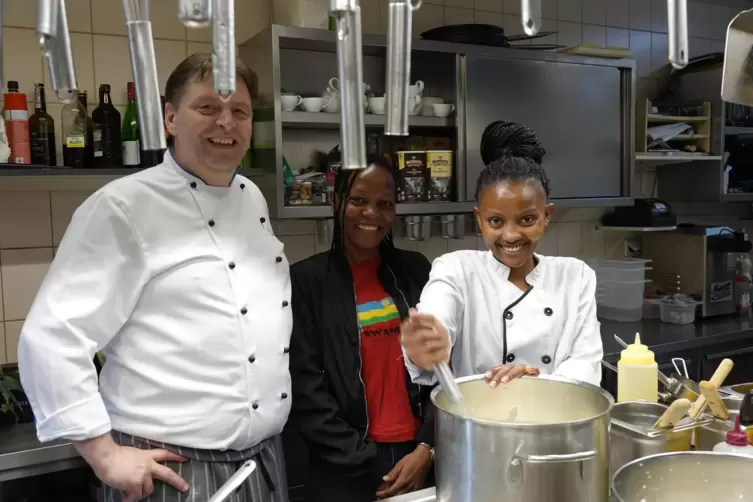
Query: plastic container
point(620, 285)
point(736, 442)
point(675, 313)
point(637, 374)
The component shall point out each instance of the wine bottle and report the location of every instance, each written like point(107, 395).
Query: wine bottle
point(42, 131)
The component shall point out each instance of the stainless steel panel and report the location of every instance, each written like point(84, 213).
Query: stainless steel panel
point(575, 109)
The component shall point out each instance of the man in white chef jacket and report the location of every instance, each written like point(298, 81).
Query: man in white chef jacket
point(175, 274)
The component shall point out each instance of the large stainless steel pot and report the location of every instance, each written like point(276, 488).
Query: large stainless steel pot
point(685, 477)
point(536, 439)
point(632, 434)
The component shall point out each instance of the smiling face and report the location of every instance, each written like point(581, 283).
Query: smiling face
point(369, 212)
point(210, 135)
point(512, 216)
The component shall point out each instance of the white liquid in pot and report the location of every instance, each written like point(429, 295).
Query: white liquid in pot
point(527, 401)
point(688, 479)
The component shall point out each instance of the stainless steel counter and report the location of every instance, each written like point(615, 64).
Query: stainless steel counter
point(427, 495)
point(22, 455)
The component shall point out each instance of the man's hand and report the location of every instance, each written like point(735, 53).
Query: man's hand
point(130, 469)
point(425, 340)
point(508, 372)
point(408, 475)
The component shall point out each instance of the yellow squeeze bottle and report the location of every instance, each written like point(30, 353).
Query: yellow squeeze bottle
point(637, 374)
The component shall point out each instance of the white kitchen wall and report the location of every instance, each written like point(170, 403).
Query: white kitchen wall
point(32, 223)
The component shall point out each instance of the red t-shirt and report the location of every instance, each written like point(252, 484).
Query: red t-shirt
point(391, 419)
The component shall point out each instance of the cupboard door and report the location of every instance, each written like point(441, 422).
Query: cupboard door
point(742, 372)
point(576, 111)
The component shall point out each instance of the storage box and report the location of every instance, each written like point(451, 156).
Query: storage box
point(676, 313)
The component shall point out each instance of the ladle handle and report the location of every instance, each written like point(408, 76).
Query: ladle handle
point(448, 383)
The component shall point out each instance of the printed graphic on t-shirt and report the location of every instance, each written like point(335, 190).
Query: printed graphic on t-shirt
point(373, 313)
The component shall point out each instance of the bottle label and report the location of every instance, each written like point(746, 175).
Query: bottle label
point(131, 154)
point(75, 140)
point(17, 130)
point(98, 141)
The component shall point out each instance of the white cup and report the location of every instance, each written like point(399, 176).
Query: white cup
point(333, 104)
point(290, 102)
point(426, 105)
point(376, 105)
point(415, 89)
point(314, 104)
point(430, 100)
point(442, 109)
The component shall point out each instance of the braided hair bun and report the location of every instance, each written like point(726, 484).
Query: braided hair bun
point(511, 152)
point(510, 139)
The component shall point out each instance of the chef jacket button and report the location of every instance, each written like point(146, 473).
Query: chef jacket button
point(255, 406)
point(548, 311)
point(508, 315)
point(211, 223)
point(262, 219)
point(231, 265)
point(243, 186)
point(193, 184)
point(244, 310)
point(286, 350)
point(284, 395)
point(251, 358)
point(546, 359)
point(284, 303)
point(278, 259)
point(510, 358)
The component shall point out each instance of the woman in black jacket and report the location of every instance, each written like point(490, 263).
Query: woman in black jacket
point(370, 431)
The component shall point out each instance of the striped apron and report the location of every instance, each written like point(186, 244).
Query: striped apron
point(206, 471)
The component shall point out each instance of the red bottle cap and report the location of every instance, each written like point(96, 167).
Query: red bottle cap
point(131, 91)
point(736, 437)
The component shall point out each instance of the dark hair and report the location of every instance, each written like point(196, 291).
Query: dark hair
point(511, 152)
point(195, 68)
point(344, 180)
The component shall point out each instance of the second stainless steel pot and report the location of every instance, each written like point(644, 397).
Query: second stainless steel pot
point(536, 439)
point(631, 435)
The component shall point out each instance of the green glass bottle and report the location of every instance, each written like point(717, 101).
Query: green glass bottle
point(130, 131)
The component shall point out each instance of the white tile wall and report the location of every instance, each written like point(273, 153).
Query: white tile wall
point(32, 223)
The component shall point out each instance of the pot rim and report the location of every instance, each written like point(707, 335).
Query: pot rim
point(619, 498)
point(517, 425)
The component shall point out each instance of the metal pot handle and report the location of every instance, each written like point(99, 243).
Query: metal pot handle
point(554, 458)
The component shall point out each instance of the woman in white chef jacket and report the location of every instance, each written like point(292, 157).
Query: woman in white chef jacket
point(507, 311)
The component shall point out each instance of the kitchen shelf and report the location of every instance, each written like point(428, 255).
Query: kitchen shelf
point(738, 130)
point(700, 137)
point(607, 228)
point(657, 160)
point(21, 177)
point(737, 197)
point(671, 119)
point(406, 209)
point(305, 120)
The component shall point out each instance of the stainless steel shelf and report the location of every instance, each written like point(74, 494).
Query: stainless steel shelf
point(737, 197)
point(324, 120)
point(420, 208)
point(738, 130)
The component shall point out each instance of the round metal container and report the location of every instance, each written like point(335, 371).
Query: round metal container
point(536, 439)
point(714, 433)
point(685, 477)
point(631, 435)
